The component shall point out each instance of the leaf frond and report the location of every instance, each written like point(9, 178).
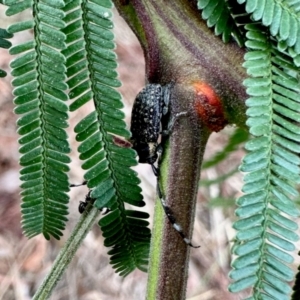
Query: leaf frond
point(39, 85)
point(282, 19)
point(226, 17)
point(265, 231)
point(107, 165)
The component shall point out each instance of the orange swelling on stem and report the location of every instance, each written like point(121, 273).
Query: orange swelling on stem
point(209, 106)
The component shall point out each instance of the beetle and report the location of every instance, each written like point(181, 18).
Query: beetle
point(150, 110)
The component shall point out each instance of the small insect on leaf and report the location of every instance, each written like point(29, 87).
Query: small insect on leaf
point(83, 204)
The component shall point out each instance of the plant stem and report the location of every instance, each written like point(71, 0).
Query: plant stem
point(180, 48)
point(87, 220)
point(179, 176)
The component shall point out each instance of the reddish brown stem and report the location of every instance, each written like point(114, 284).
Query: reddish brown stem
point(208, 74)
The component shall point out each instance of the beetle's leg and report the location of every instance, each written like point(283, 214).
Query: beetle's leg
point(80, 184)
point(168, 131)
point(166, 90)
point(158, 151)
point(166, 208)
point(172, 219)
point(155, 170)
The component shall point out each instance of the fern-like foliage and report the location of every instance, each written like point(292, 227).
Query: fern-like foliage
point(282, 19)
point(91, 65)
point(4, 43)
point(226, 17)
point(72, 50)
point(40, 100)
point(265, 231)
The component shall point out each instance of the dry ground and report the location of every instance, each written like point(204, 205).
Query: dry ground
point(24, 263)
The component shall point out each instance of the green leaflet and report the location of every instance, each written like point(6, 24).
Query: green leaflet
point(264, 234)
point(91, 70)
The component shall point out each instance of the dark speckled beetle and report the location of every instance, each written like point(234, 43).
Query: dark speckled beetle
point(149, 109)
point(150, 105)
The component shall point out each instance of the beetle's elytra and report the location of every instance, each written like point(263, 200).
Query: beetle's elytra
point(150, 105)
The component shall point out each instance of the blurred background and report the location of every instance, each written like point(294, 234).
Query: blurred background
point(24, 263)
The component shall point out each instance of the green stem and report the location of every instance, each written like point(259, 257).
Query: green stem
point(179, 177)
point(67, 253)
